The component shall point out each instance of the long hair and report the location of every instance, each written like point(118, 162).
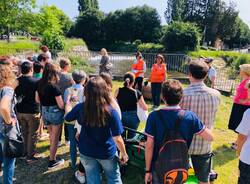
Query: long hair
point(97, 100)
point(128, 78)
point(50, 75)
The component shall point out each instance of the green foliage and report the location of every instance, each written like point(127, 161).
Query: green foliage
point(54, 41)
point(70, 43)
point(89, 26)
point(242, 59)
point(174, 10)
point(80, 63)
point(181, 36)
point(150, 48)
point(84, 5)
point(141, 22)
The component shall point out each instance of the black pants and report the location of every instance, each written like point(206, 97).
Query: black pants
point(156, 93)
point(244, 177)
point(138, 82)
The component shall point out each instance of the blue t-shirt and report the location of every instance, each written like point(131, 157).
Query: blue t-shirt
point(189, 126)
point(97, 142)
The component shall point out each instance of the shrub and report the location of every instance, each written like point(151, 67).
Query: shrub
point(150, 48)
point(54, 41)
point(180, 36)
point(80, 63)
point(242, 59)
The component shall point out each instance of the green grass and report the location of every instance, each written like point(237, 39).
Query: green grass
point(225, 160)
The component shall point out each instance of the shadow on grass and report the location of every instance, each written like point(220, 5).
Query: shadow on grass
point(223, 155)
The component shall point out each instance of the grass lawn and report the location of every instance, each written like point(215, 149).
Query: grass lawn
point(225, 161)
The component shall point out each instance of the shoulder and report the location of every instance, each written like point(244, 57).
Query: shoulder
point(247, 114)
point(213, 92)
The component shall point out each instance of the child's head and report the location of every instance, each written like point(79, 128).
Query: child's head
point(172, 92)
point(107, 78)
point(245, 70)
point(64, 64)
point(37, 67)
point(79, 77)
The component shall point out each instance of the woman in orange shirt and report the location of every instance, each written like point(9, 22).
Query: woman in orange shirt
point(157, 77)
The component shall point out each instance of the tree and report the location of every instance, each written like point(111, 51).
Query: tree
point(174, 10)
point(85, 5)
point(10, 11)
point(180, 36)
point(89, 26)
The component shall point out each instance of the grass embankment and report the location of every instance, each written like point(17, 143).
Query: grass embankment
point(225, 161)
point(22, 45)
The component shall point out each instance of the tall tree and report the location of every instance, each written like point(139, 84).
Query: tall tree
point(11, 10)
point(174, 10)
point(84, 5)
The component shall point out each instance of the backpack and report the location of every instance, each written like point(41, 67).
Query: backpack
point(172, 163)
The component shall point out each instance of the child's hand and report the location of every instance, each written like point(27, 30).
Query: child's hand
point(77, 136)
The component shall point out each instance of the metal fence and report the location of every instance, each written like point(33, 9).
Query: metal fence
point(178, 63)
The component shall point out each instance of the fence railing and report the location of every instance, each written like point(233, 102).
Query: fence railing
point(226, 80)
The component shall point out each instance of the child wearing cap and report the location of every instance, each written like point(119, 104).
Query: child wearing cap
point(241, 99)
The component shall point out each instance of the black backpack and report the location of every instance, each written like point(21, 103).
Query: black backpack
point(172, 162)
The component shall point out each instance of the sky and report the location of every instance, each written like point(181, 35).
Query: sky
point(70, 6)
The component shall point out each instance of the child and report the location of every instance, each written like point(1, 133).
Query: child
point(243, 148)
point(72, 97)
point(38, 70)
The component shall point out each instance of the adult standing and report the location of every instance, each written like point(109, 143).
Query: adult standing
point(139, 68)
point(203, 101)
point(128, 98)
point(157, 77)
point(28, 109)
point(7, 117)
point(101, 133)
point(50, 98)
point(105, 64)
point(212, 74)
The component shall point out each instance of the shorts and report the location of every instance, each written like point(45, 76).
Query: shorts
point(52, 115)
point(244, 177)
point(202, 166)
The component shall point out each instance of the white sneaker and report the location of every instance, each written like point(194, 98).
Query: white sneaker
point(80, 178)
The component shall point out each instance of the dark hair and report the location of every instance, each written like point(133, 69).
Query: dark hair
point(97, 101)
point(138, 54)
point(107, 78)
point(78, 76)
point(42, 57)
point(129, 78)
point(26, 67)
point(63, 63)
point(198, 69)
point(44, 48)
point(37, 67)
point(50, 75)
point(172, 92)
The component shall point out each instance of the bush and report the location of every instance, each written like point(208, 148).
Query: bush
point(242, 59)
point(54, 41)
point(180, 36)
point(80, 63)
point(150, 48)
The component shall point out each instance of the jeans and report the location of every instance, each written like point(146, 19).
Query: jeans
point(156, 93)
point(52, 115)
point(93, 170)
point(8, 165)
point(130, 120)
point(72, 146)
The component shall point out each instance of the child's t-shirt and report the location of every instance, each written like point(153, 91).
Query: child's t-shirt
point(244, 129)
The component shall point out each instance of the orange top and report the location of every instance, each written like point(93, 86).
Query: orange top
point(138, 66)
point(158, 73)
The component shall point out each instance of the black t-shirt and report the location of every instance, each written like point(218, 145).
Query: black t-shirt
point(127, 99)
point(47, 97)
point(25, 93)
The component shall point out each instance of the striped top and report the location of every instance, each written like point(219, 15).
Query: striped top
point(203, 101)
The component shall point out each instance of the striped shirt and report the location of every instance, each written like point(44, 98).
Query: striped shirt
point(203, 101)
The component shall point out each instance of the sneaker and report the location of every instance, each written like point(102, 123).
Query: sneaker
point(67, 143)
point(55, 163)
point(59, 144)
point(80, 178)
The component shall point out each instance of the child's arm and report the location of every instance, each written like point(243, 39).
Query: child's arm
point(240, 142)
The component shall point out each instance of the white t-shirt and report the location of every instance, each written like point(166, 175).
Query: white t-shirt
point(244, 129)
point(212, 73)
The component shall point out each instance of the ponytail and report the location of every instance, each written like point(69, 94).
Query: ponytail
point(126, 82)
point(129, 78)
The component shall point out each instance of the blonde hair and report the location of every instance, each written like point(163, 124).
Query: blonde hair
point(245, 68)
point(104, 51)
point(7, 76)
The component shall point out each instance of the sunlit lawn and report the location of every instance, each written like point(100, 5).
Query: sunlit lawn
point(225, 161)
